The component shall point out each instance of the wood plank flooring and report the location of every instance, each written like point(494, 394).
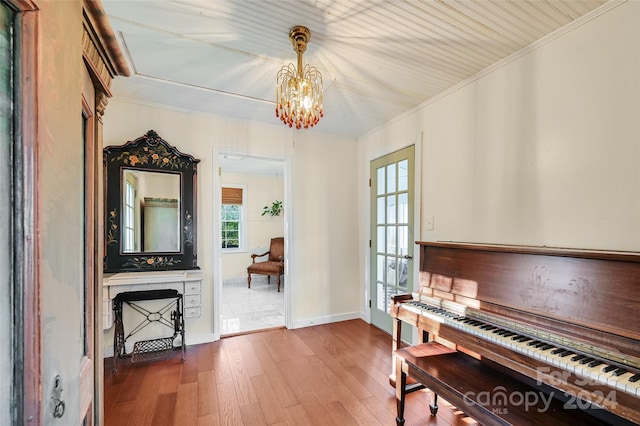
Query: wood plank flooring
point(334, 374)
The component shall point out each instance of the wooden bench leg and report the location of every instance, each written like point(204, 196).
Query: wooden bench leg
point(401, 383)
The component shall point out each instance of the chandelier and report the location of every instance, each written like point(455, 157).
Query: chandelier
point(299, 91)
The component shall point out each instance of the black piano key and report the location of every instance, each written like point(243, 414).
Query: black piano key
point(620, 371)
point(609, 368)
point(517, 337)
point(524, 339)
point(566, 353)
point(533, 342)
point(577, 357)
point(586, 360)
point(547, 347)
point(509, 334)
point(595, 363)
point(557, 351)
point(539, 345)
point(634, 378)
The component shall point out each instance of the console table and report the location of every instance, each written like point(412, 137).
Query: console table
point(143, 292)
point(188, 283)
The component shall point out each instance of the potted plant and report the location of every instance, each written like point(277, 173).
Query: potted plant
point(274, 209)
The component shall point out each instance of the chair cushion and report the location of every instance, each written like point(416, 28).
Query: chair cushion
point(266, 268)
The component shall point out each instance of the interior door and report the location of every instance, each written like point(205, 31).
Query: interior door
point(392, 244)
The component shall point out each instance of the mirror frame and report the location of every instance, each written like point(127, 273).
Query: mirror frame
point(149, 153)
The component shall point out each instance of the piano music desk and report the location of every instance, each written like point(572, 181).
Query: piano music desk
point(474, 387)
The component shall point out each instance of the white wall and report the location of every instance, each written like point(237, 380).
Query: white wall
point(323, 274)
point(544, 150)
point(261, 190)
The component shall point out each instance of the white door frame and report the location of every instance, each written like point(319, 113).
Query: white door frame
point(216, 239)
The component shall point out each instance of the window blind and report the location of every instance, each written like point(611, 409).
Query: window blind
point(232, 195)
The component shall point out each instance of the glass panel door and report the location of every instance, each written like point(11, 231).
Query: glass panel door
point(392, 233)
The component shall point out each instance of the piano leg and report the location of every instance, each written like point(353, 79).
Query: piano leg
point(401, 383)
point(395, 344)
point(434, 407)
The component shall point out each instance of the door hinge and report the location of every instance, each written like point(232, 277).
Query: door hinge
point(369, 182)
point(369, 303)
point(369, 243)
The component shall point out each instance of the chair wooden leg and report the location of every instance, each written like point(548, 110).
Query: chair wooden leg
point(249, 281)
point(278, 283)
point(268, 279)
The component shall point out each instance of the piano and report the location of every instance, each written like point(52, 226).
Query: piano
point(567, 321)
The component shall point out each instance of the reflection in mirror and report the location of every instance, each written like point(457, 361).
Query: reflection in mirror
point(150, 211)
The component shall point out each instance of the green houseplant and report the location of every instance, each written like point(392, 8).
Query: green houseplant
point(274, 209)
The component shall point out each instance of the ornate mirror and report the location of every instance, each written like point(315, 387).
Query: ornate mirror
point(150, 201)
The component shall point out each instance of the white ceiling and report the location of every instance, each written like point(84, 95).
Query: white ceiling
point(378, 58)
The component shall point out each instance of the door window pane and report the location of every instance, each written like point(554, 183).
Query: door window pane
point(381, 268)
point(403, 240)
point(403, 272)
point(391, 178)
point(380, 300)
point(403, 208)
point(403, 173)
point(391, 209)
point(380, 243)
point(391, 270)
point(391, 240)
point(380, 181)
point(381, 210)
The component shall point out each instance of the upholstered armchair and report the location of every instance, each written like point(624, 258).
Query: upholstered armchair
point(274, 265)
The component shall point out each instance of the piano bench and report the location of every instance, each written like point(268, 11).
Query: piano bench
point(481, 392)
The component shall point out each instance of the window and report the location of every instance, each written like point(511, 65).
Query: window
point(232, 218)
point(129, 218)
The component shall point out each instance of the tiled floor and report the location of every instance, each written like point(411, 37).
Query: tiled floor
point(248, 309)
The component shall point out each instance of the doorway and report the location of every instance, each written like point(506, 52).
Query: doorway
point(249, 188)
point(392, 219)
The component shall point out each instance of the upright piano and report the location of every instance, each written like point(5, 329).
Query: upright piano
point(565, 320)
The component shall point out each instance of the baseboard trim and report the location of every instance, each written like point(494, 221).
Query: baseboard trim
point(326, 319)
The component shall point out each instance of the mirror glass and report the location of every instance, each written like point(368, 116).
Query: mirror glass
point(150, 211)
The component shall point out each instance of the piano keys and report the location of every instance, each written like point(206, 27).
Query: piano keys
point(565, 319)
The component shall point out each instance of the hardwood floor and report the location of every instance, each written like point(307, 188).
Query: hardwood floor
point(334, 374)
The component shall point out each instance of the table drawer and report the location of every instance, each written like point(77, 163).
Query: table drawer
point(192, 312)
point(192, 300)
point(192, 288)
